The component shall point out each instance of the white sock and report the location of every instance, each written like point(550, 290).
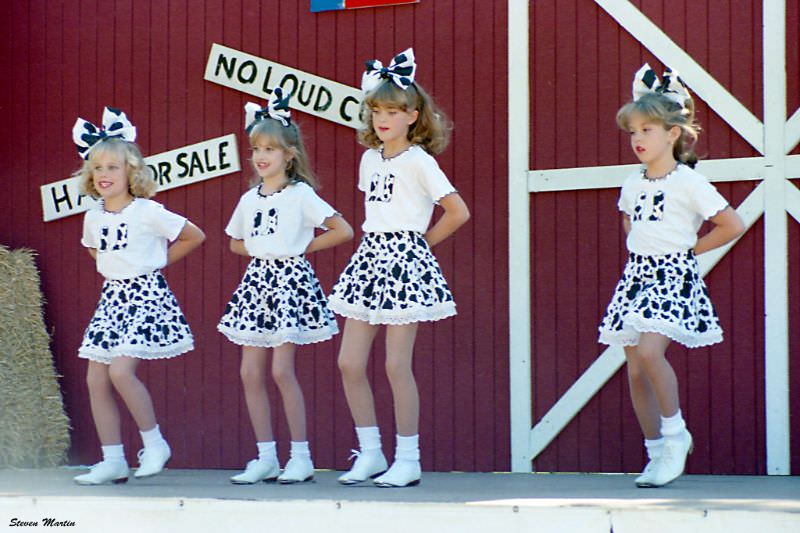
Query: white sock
point(267, 450)
point(654, 447)
point(407, 448)
point(673, 425)
point(369, 438)
point(113, 452)
point(300, 449)
point(152, 437)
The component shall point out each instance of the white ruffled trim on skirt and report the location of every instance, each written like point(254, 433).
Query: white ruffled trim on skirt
point(635, 325)
point(393, 317)
point(138, 352)
point(245, 338)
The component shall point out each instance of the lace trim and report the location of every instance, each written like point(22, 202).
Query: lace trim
point(272, 340)
point(138, 352)
point(677, 334)
point(395, 156)
point(392, 317)
point(273, 193)
point(448, 193)
point(102, 203)
point(660, 178)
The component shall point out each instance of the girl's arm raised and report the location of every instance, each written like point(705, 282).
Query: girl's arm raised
point(189, 238)
point(339, 231)
point(728, 226)
point(455, 215)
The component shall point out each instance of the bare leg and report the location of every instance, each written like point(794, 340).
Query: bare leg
point(644, 401)
point(283, 372)
point(353, 358)
point(653, 382)
point(104, 406)
point(133, 391)
point(254, 375)
point(399, 356)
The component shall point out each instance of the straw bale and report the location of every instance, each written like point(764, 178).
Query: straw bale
point(34, 429)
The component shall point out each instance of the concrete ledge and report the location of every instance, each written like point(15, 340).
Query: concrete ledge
point(194, 500)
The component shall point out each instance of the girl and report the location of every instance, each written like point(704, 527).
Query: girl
point(279, 303)
point(393, 279)
point(137, 317)
point(661, 297)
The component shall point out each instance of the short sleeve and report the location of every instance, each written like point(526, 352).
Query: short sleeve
point(706, 200)
point(236, 225)
point(165, 223)
point(623, 204)
point(433, 180)
point(89, 238)
point(315, 209)
point(363, 179)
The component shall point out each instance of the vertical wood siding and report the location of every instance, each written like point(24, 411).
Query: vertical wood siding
point(578, 247)
point(68, 59)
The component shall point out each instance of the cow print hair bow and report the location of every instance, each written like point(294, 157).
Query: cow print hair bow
point(115, 124)
point(277, 109)
point(671, 86)
point(400, 71)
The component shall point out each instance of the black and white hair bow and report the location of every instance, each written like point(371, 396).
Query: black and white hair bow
point(672, 87)
point(401, 71)
point(115, 124)
point(277, 109)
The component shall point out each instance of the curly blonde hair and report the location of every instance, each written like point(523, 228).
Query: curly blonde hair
point(290, 139)
point(657, 108)
point(141, 183)
point(431, 130)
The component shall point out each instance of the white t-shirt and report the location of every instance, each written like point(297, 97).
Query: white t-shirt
point(667, 213)
point(281, 224)
point(400, 192)
point(132, 242)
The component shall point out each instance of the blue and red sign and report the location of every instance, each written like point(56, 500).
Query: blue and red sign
point(332, 5)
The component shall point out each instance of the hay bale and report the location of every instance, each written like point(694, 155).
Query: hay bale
point(34, 430)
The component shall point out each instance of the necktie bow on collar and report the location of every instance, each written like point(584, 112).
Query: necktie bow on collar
point(277, 109)
point(86, 135)
point(400, 71)
point(646, 81)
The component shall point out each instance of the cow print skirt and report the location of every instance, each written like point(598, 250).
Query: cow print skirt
point(278, 301)
point(137, 317)
point(393, 278)
point(661, 294)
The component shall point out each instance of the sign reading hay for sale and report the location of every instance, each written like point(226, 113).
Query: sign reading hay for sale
point(257, 76)
point(176, 168)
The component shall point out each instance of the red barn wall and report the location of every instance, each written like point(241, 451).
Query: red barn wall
point(68, 59)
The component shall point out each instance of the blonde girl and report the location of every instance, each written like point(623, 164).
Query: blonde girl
point(137, 317)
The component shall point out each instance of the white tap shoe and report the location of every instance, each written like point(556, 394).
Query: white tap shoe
point(645, 480)
point(108, 471)
point(368, 464)
point(403, 473)
point(152, 460)
point(265, 470)
point(297, 470)
point(673, 459)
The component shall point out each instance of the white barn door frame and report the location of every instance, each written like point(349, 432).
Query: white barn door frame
point(773, 138)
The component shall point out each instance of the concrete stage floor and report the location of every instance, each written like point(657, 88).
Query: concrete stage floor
point(203, 500)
